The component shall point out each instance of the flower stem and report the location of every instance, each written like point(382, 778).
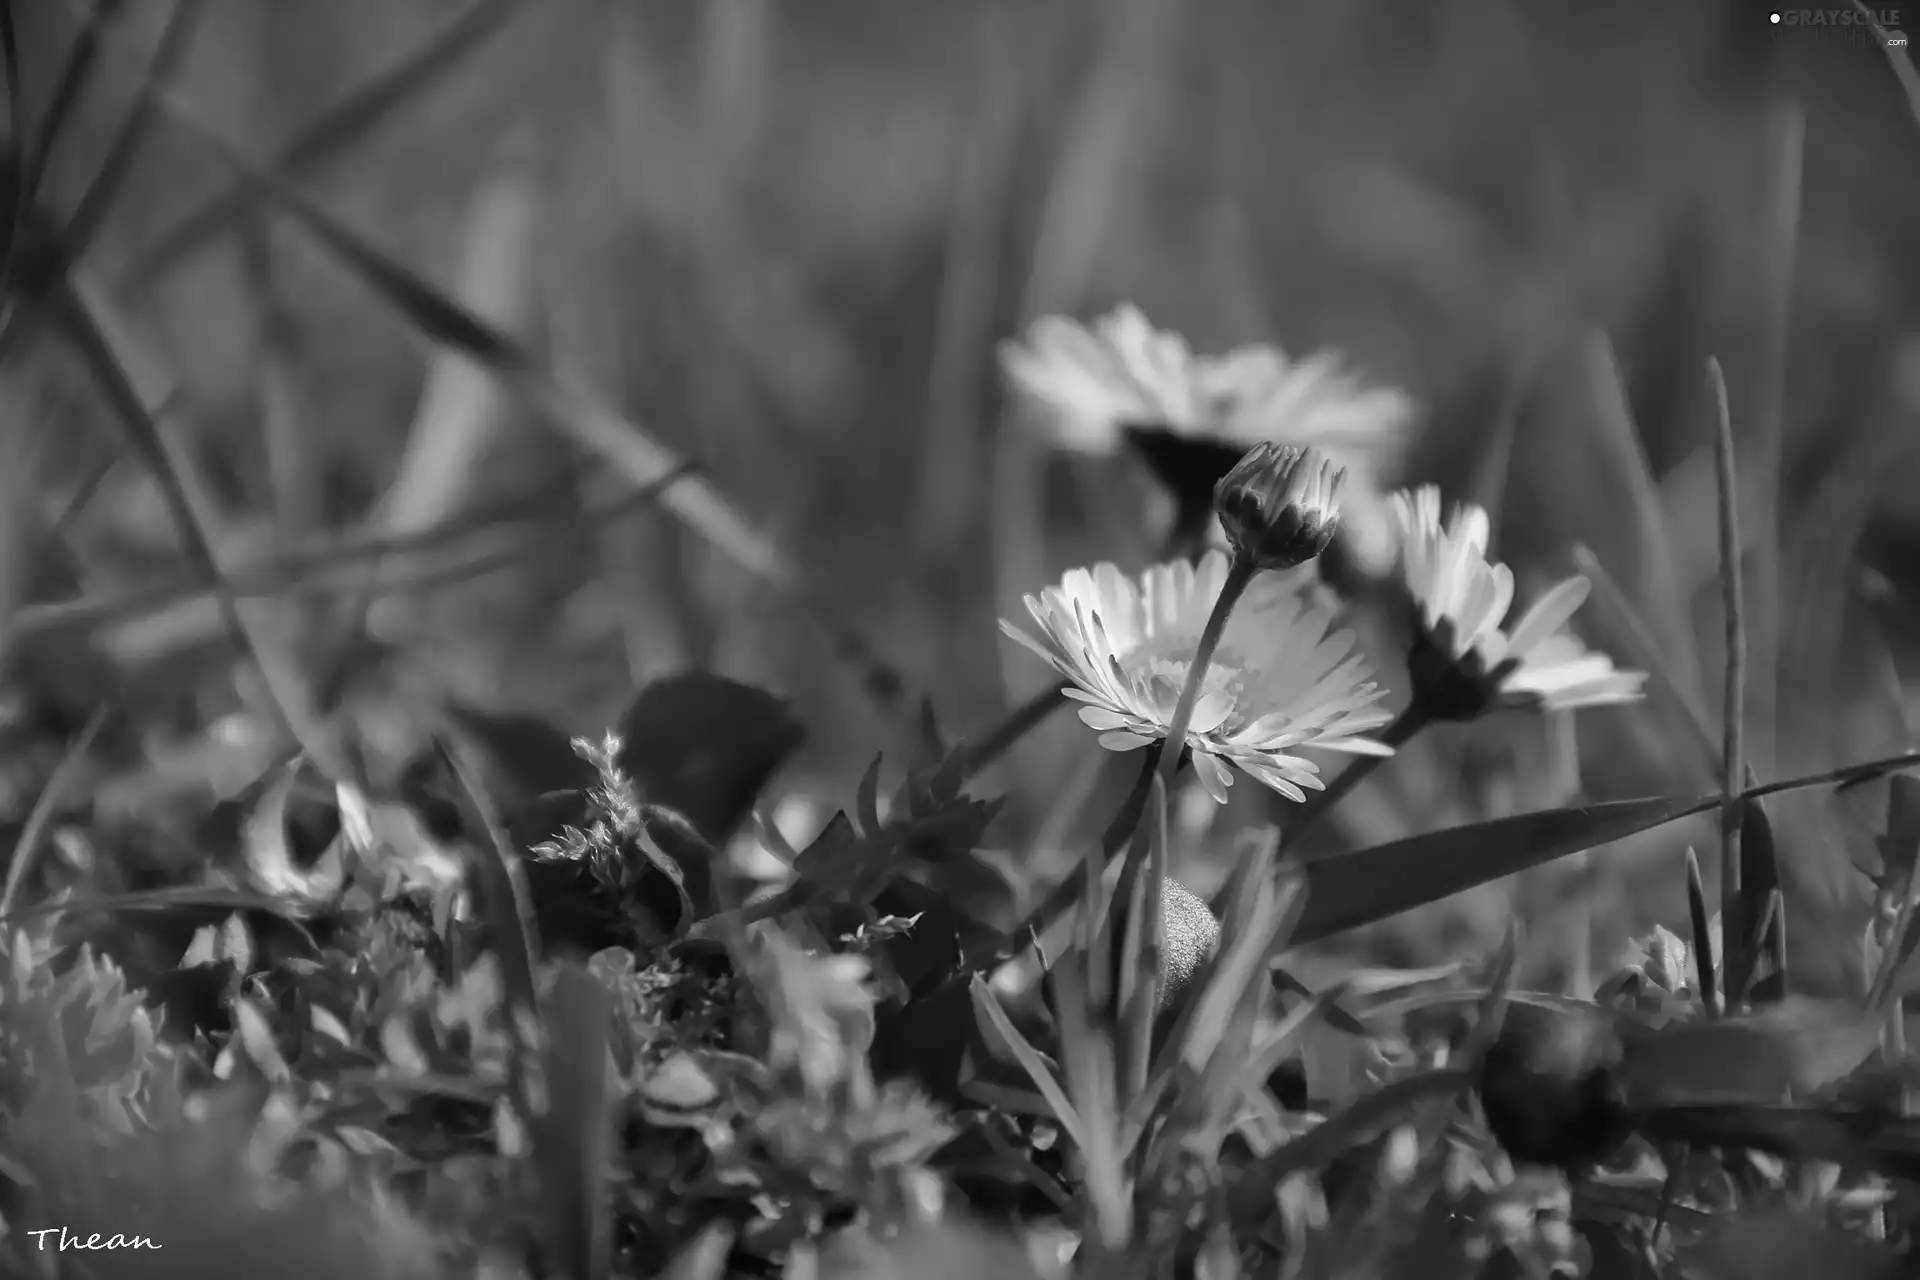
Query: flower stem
point(1396, 735)
point(1240, 574)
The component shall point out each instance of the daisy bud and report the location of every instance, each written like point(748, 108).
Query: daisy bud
point(1280, 505)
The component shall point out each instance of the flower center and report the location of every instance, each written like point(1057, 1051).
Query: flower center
point(1161, 665)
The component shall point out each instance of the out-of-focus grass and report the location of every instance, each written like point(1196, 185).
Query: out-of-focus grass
point(787, 238)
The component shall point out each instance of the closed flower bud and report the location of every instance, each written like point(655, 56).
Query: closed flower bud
point(1280, 505)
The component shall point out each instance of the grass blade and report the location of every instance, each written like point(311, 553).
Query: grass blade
point(40, 817)
point(1705, 971)
point(96, 202)
point(344, 125)
point(575, 1137)
point(1369, 885)
point(1733, 918)
point(501, 891)
point(137, 394)
point(986, 1007)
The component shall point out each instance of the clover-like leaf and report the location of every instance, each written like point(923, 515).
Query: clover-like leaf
point(706, 747)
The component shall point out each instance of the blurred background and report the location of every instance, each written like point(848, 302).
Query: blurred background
point(786, 239)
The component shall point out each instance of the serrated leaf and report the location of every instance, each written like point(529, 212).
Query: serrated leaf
point(706, 747)
point(1370, 885)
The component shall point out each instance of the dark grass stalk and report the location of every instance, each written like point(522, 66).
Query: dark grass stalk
point(1732, 918)
point(347, 123)
point(1704, 967)
point(70, 245)
point(569, 409)
point(504, 907)
point(294, 573)
point(98, 200)
point(66, 89)
point(1142, 943)
point(1017, 724)
point(40, 817)
point(87, 331)
point(23, 173)
point(574, 1139)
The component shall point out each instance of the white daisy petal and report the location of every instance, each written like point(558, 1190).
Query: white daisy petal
point(1446, 571)
point(1291, 680)
point(1124, 741)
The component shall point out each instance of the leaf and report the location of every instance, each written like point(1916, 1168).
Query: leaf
point(1370, 885)
point(1759, 881)
point(1705, 973)
point(706, 746)
point(519, 757)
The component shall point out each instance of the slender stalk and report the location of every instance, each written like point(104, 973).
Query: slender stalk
point(1240, 575)
point(1733, 924)
point(1396, 735)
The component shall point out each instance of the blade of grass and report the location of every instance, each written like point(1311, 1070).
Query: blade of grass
point(377, 100)
point(1142, 943)
point(565, 406)
point(504, 908)
point(137, 393)
point(306, 570)
point(45, 805)
point(70, 245)
point(66, 90)
point(574, 1140)
point(1733, 918)
point(97, 201)
point(19, 172)
point(1369, 885)
point(986, 1006)
point(1706, 972)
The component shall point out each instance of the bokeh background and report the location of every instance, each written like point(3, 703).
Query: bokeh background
point(786, 238)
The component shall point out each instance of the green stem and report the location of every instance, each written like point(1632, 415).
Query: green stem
point(1240, 574)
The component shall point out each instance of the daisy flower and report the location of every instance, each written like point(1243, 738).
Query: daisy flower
point(1119, 382)
point(1282, 678)
point(1465, 665)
